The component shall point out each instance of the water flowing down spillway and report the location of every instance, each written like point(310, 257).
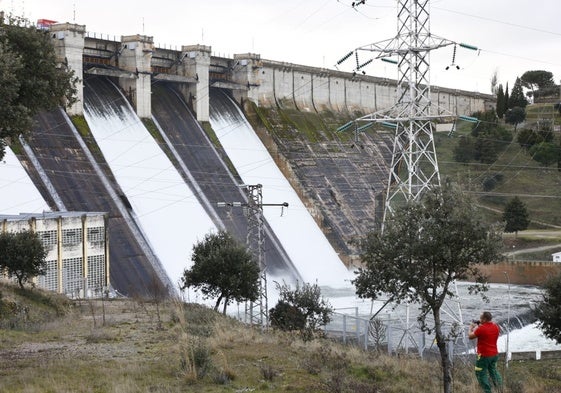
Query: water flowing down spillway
point(205, 170)
point(303, 240)
point(18, 194)
point(167, 210)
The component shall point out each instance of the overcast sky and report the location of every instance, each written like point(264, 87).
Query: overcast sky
point(514, 36)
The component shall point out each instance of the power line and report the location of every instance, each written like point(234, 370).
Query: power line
point(498, 21)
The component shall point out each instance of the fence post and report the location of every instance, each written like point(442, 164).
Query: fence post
point(344, 328)
point(389, 335)
point(366, 334)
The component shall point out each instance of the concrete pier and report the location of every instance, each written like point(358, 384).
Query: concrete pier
point(68, 40)
point(135, 56)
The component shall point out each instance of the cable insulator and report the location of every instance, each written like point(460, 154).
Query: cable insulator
point(365, 64)
point(454, 55)
point(345, 57)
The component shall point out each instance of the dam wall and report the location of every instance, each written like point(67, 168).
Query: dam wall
point(136, 63)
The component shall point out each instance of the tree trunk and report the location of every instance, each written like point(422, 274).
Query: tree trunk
point(442, 348)
point(217, 303)
point(226, 300)
point(20, 280)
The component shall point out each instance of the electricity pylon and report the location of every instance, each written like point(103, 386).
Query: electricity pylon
point(414, 166)
point(255, 240)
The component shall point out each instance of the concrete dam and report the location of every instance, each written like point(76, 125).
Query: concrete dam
point(164, 98)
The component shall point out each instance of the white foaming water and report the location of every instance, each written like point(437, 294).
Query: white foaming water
point(529, 338)
point(167, 210)
point(303, 240)
point(18, 194)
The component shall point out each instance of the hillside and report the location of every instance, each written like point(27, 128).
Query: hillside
point(514, 173)
point(342, 178)
point(51, 344)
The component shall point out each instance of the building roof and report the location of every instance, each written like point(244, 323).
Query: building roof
point(47, 215)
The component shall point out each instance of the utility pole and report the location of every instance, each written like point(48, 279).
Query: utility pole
point(253, 209)
point(414, 166)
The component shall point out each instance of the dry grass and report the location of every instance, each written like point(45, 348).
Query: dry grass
point(122, 346)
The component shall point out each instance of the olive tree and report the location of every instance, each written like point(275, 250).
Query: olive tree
point(424, 247)
point(223, 269)
point(22, 255)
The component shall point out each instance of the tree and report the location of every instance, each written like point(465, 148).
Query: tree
point(527, 138)
point(546, 153)
point(501, 102)
point(30, 78)
point(516, 216)
point(537, 80)
point(507, 99)
point(517, 96)
point(548, 310)
point(494, 82)
point(223, 269)
point(303, 304)
point(425, 246)
point(464, 151)
point(515, 116)
point(486, 148)
point(22, 255)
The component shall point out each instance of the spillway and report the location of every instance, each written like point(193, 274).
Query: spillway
point(69, 178)
point(204, 168)
point(307, 246)
point(168, 212)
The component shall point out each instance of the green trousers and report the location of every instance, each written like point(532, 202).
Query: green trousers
point(486, 367)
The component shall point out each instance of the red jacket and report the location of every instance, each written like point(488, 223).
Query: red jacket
point(487, 335)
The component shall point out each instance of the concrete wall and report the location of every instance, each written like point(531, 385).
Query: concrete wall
point(267, 83)
point(316, 89)
point(521, 272)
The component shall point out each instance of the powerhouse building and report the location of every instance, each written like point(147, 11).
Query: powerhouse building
point(77, 249)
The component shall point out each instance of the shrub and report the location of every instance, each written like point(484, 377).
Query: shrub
point(304, 301)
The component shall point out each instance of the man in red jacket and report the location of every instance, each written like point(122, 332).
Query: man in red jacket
point(487, 334)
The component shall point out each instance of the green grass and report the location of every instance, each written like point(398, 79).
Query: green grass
point(122, 346)
point(86, 134)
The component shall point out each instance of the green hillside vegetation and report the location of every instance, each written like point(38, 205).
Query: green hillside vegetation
point(513, 173)
point(51, 344)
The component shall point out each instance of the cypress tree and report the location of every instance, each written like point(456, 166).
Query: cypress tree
point(517, 96)
point(500, 102)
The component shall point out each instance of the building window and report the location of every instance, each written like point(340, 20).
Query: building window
point(96, 272)
point(72, 275)
point(96, 235)
point(49, 280)
point(49, 238)
point(71, 236)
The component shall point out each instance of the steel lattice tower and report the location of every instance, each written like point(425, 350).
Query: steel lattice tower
point(255, 240)
point(414, 166)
